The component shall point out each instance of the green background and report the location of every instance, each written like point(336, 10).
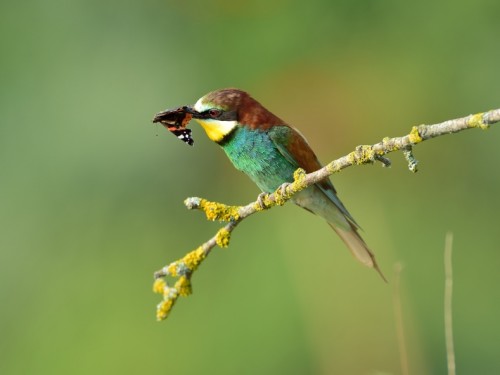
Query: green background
point(91, 192)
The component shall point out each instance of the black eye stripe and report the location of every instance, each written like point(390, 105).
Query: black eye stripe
point(229, 116)
point(223, 115)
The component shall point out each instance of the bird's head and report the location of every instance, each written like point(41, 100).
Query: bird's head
point(220, 112)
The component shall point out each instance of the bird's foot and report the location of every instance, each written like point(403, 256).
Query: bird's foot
point(281, 195)
point(283, 188)
point(260, 200)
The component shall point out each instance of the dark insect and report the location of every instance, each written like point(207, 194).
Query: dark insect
point(176, 120)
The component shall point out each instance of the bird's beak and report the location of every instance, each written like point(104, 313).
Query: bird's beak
point(193, 112)
point(170, 115)
point(177, 116)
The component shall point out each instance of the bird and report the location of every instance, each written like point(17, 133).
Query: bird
point(269, 151)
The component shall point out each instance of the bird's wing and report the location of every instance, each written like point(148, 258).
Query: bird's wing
point(294, 148)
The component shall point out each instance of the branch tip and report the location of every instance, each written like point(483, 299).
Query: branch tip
point(386, 162)
point(213, 210)
point(412, 162)
point(159, 286)
point(161, 273)
point(192, 203)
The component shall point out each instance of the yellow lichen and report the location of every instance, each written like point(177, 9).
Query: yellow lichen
point(183, 286)
point(368, 155)
point(159, 286)
point(222, 237)
point(332, 167)
point(299, 180)
point(219, 211)
point(164, 308)
point(194, 258)
point(388, 146)
point(280, 197)
point(283, 194)
point(415, 136)
point(267, 202)
point(477, 121)
point(363, 154)
point(172, 269)
point(351, 157)
point(259, 207)
point(182, 269)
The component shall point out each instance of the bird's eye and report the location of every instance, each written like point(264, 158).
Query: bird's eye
point(214, 113)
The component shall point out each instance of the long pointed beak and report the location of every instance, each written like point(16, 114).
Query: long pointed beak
point(191, 110)
point(170, 116)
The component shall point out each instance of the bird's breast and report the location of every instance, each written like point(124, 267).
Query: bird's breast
point(254, 153)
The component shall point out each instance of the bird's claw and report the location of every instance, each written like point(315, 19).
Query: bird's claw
point(260, 200)
point(283, 188)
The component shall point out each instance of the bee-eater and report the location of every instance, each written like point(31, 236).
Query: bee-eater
point(268, 150)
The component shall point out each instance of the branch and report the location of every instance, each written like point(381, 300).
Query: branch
point(233, 215)
point(448, 293)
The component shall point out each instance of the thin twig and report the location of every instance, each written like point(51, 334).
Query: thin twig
point(448, 291)
point(398, 314)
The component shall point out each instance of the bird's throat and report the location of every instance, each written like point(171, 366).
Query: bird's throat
point(217, 130)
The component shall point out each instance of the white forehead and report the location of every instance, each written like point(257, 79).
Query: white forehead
point(200, 106)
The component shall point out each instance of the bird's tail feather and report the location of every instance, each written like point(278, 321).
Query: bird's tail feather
point(358, 247)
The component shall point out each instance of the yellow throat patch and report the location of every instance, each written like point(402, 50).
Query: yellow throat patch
point(216, 130)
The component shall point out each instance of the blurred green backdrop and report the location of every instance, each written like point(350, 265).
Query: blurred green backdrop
point(91, 192)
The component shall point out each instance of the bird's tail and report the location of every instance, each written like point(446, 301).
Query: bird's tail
point(358, 247)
